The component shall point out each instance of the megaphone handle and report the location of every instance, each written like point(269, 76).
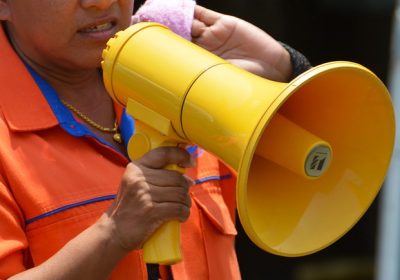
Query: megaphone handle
point(163, 246)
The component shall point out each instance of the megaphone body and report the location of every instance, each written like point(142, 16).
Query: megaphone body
point(310, 155)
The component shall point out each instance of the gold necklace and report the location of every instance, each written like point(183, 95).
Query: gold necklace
point(116, 136)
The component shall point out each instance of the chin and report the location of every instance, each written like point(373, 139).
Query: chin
point(92, 61)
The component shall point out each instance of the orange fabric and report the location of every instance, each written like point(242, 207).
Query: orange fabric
point(208, 237)
point(37, 158)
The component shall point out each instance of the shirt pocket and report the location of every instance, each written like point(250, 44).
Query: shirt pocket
point(48, 235)
point(209, 199)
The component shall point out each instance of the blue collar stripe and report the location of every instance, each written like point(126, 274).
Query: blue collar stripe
point(127, 127)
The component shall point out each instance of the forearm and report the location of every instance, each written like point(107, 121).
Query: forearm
point(91, 255)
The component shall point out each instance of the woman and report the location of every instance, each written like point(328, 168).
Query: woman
point(72, 206)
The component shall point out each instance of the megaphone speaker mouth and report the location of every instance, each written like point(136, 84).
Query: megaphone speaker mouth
point(316, 160)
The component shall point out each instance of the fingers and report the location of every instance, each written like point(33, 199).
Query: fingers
point(159, 194)
point(213, 31)
point(155, 177)
point(163, 156)
point(172, 211)
point(150, 195)
point(158, 189)
point(203, 18)
point(208, 17)
point(198, 28)
point(170, 194)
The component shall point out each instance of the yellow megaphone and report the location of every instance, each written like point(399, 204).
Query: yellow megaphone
point(310, 155)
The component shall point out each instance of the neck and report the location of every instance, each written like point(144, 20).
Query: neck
point(69, 82)
point(81, 88)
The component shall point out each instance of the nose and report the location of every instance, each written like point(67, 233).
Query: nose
point(97, 4)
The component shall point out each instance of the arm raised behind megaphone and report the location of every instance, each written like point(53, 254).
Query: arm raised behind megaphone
point(241, 43)
point(150, 195)
point(246, 46)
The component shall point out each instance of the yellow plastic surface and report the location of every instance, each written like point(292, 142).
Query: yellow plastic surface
point(163, 247)
point(290, 146)
point(160, 75)
point(237, 116)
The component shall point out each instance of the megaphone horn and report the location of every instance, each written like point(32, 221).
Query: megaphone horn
point(310, 155)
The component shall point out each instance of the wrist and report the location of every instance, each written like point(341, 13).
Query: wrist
point(285, 66)
point(107, 230)
point(298, 62)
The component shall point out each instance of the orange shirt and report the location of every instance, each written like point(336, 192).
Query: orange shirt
point(57, 178)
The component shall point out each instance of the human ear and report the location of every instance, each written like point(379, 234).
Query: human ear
point(5, 13)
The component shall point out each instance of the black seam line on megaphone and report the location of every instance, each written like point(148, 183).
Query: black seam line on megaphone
point(188, 90)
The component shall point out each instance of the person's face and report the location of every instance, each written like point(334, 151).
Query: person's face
point(69, 34)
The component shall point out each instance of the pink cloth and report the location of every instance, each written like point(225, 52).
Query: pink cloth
point(175, 14)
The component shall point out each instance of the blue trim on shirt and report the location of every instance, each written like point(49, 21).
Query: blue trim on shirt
point(213, 178)
point(61, 209)
point(111, 197)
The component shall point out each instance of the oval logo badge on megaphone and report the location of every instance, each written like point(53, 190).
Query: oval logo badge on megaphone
point(318, 161)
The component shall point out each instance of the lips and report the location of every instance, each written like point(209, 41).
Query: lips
point(98, 27)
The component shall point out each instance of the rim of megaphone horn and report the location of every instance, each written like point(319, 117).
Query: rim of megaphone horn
point(250, 149)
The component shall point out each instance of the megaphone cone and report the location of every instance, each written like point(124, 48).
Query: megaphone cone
point(310, 155)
